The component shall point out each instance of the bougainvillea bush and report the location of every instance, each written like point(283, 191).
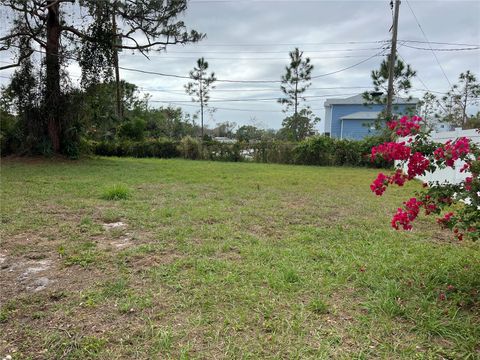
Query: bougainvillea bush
point(456, 206)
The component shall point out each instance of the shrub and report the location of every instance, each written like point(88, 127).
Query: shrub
point(274, 152)
point(160, 148)
point(133, 129)
point(458, 205)
point(190, 148)
point(319, 150)
point(214, 150)
point(116, 192)
point(315, 151)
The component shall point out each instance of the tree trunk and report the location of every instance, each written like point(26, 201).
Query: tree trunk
point(201, 105)
point(52, 62)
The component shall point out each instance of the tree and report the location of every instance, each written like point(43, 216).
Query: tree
point(455, 104)
point(247, 133)
point(402, 76)
point(295, 81)
point(473, 121)
point(299, 126)
point(224, 129)
point(428, 108)
point(60, 30)
point(200, 87)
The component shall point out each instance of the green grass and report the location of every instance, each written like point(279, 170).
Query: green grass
point(116, 192)
point(227, 261)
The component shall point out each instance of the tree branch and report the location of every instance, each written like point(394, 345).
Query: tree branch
point(19, 62)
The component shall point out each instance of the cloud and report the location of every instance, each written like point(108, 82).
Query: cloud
point(251, 40)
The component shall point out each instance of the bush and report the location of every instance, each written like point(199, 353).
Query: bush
point(318, 150)
point(133, 129)
point(190, 148)
point(214, 150)
point(280, 152)
point(315, 151)
point(159, 148)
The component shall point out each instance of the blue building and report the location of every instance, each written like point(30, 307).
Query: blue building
point(352, 118)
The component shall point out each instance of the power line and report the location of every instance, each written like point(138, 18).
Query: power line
point(265, 99)
point(267, 52)
point(437, 43)
point(441, 49)
point(351, 66)
point(258, 89)
point(252, 81)
point(250, 58)
point(429, 44)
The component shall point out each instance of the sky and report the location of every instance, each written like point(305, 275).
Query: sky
point(250, 40)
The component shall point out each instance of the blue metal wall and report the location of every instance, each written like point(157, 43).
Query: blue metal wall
point(358, 129)
point(338, 111)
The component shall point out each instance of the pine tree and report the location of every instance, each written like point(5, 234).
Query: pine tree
point(200, 87)
point(295, 81)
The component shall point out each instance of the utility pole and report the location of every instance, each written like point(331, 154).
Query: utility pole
point(393, 58)
point(115, 64)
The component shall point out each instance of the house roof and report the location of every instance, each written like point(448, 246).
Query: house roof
point(359, 100)
point(362, 115)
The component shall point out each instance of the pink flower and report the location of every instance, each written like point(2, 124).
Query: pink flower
point(380, 184)
point(417, 165)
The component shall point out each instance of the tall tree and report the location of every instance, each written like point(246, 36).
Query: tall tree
point(462, 96)
point(60, 26)
point(299, 126)
point(200, 86)
point(402, 76)
point(295, 81)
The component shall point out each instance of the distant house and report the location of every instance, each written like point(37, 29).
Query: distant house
point(352, 118)
point(224, 140)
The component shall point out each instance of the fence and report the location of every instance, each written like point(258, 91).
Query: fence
point(449, 175)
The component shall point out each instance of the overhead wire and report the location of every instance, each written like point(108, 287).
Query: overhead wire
point(429, 44)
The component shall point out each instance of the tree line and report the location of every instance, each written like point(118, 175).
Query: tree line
point(42, 112)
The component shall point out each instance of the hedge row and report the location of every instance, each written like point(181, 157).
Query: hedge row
point(320, 150)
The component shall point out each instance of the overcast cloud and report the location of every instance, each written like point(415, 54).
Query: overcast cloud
point(250, 40)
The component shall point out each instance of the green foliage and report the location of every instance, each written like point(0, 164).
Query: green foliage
point(132, 129)
point(167, 122)
point(95, 39)
point(318, 150)
point(299, 126)
point(190, 148)
point(247, 133)
point(116, 192)
point(8, 133)
point(199, 87)
point(159, 148)
point(402, 76)
point(295, 81)
point(318, 306)
point(473, 122)
point(315, 151)
point(275, 151)
point(215, 150)
point(453, 107)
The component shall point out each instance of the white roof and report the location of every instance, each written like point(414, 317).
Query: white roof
point(359, 100)
point(362, 115)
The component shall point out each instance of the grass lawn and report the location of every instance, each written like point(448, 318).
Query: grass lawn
point(155, 259)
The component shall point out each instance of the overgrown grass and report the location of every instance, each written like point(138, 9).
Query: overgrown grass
point(227, 261)
point(116, 192)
